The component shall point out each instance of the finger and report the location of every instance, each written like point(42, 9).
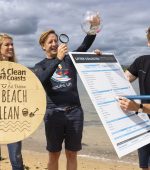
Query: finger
point(121, 98)
point(63, 45)
point(123, 107)
point(98, 52)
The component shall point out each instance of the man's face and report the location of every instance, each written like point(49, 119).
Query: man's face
point(7, 49)
point(148, 43)
point(51, 45)
point(148, 37)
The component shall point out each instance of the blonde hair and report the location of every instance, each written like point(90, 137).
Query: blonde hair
point(2, 37)
point(148, 34)
point(45, 35)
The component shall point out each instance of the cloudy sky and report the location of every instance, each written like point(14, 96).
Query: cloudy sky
point(123, 33)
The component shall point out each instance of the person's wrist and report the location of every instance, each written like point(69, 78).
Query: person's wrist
point(93, 30)
point(139, 108)
point(59, 58)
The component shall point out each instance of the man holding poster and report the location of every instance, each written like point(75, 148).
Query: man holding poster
point(140, 68)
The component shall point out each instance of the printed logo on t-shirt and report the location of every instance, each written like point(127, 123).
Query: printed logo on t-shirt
point(61, 75)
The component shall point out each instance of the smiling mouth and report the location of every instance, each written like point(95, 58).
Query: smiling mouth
point(10, 51)
point(54, 50)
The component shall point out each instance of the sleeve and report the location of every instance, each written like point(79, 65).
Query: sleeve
point(134, 67)
point(86, 44)
point(46, 70)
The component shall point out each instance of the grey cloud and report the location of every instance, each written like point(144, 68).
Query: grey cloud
point(124, 25)
point(19, 26)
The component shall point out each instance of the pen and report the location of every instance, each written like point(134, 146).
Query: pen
point(138, 97)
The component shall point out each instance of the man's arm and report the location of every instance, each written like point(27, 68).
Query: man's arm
point(146, 108)
point(46, 70)
point(86, 44)
point(90, 37)
point(130, 77)
point(131, 105)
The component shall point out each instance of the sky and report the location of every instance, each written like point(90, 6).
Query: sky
point(124, 25)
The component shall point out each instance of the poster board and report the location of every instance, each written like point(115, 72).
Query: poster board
point(104, 80)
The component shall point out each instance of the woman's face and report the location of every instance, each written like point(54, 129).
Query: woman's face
point(7, 49)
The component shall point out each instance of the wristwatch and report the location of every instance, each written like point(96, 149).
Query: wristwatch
point(140, 110)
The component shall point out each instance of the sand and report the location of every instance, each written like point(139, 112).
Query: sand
point(97, 153)
point(35, 160)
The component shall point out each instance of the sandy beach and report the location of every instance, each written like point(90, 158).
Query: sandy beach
point(97, 152)
point(35, 160)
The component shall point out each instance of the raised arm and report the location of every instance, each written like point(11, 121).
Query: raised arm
point(86, 44)
point(91, 34)
point(45, 69)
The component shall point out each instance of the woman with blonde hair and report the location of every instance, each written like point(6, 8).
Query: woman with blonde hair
point(6, 48)
point(7, 54)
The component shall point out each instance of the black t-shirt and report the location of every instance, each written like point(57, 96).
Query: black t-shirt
point(141, 69)
point(59, 78)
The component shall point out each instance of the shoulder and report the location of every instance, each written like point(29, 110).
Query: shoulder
point(143, 57)
point(139, 63)
point(142, 60)
point(40, 63)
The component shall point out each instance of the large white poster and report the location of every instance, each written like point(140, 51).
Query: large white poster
point(104, 79)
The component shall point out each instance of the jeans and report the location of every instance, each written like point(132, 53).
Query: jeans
point(15, 155)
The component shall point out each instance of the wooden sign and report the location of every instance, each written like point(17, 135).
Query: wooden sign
point(22, 102)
